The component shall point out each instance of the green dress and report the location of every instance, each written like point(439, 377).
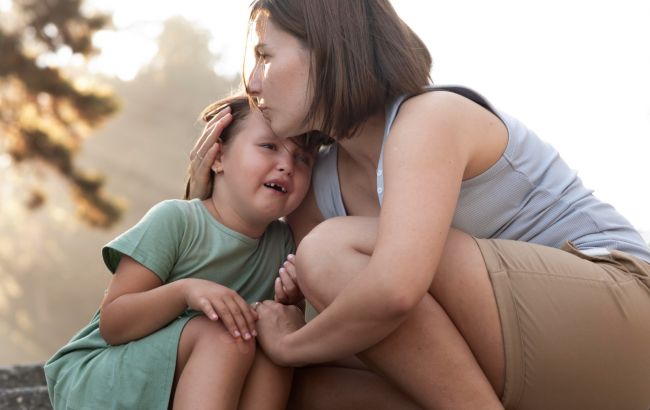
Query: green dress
point(176, 239)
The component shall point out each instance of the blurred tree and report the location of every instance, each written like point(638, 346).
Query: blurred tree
point(46, 112)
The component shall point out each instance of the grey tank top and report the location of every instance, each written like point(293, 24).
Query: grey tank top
point(529, 194)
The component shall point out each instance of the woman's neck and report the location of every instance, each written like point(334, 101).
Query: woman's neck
point(364, 147)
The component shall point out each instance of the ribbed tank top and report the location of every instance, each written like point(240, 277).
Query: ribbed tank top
point(529, 194)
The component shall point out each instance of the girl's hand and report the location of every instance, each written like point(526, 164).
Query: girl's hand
point(219, 302)
point(287, 290)
point(275, 322)
point(204, 153)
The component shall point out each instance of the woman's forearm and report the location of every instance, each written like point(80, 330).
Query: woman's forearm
point(363, 314)
point(134, 315)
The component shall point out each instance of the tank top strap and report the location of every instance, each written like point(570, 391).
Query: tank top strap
point(393, 108)
point(325, 183)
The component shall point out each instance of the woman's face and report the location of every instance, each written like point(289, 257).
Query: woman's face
point(279, 80)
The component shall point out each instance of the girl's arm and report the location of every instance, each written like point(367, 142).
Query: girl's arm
point(430, 148)
point(137, 304)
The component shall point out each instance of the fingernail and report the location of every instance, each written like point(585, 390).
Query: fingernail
point(236, 333)
point(247, 336)
point(290, 256)
point(283, 269)
point(277, 279)
point(254, 333)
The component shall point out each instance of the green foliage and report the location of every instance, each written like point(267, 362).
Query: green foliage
point(46, 112)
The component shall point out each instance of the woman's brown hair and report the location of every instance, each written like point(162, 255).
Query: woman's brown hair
point(363, 55)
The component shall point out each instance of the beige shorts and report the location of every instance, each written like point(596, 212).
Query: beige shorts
point(576, 328)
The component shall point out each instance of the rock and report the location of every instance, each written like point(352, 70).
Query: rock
point(23, 387)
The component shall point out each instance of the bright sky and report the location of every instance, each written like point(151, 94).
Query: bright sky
point(577, 72)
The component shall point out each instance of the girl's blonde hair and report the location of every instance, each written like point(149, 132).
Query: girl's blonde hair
point(240, 108)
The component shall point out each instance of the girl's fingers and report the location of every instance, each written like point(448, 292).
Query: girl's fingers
point(208, 310)
point(249, 315)
point(287, 282)
point(280, 295)
point(238, 318)
point(290, 267)
point(227, 319)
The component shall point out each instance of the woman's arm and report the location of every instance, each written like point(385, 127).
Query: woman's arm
point(137, 304)
point(431, 146)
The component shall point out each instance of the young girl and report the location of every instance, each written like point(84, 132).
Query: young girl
point(175, 327)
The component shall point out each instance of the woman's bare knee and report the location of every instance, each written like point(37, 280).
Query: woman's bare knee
point(331, 254)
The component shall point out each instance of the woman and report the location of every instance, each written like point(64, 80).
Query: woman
point(472, 268)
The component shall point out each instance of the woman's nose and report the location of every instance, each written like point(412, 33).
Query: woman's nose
point(254, 82)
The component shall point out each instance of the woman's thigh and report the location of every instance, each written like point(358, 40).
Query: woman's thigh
point(342, 246)
point(575, 328)
point(562, 324)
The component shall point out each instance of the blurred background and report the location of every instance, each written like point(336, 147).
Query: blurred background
point(99, 102)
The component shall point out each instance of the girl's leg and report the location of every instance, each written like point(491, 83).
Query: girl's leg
point(211, 366)
point(267, 385)
point(441, 354)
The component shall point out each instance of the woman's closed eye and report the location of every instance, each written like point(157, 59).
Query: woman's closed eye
point(261, 56)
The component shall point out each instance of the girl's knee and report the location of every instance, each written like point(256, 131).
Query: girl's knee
point(205, 337)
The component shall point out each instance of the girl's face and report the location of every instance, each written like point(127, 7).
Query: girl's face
point(279, 79)
point(259, 175)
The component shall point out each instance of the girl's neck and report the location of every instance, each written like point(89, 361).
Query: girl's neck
point(364, 147)
point(231, 219)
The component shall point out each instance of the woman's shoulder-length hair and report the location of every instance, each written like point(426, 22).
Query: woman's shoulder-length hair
point(363, 56)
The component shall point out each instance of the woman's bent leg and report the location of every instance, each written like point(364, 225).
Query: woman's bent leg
point(573, 330)
point(575, 327)
point(267, 385)
point(211, 366)
point(327, 387)
point(427, 356)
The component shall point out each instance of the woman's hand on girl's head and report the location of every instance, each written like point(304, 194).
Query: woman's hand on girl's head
point(276, 321)
point(221, 303)
point(287, 290)
point(205, 152)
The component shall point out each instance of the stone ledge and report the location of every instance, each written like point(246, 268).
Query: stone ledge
point(22, 387)
point(25, 398)
point(22, 376)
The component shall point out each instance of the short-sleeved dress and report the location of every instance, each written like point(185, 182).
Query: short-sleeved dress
point(176, 239)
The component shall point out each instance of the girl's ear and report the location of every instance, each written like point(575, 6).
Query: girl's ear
point(217, 165)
